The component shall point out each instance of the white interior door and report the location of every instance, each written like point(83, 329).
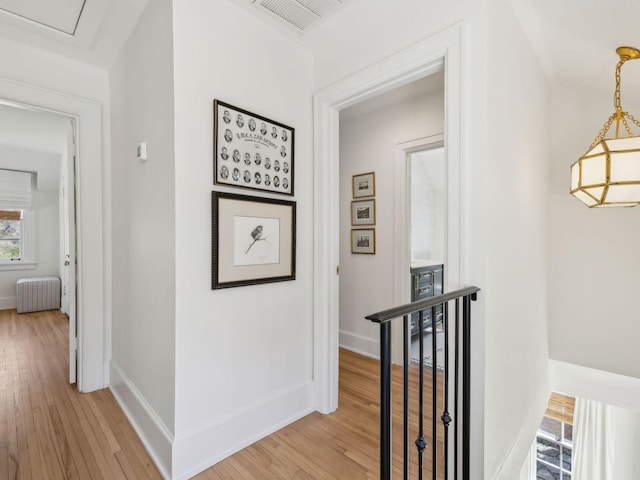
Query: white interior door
point(69, 241)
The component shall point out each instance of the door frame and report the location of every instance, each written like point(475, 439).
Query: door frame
point(420, 60)
point(92, 360)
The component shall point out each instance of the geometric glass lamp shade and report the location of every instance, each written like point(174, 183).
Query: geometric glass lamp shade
point(608, 175)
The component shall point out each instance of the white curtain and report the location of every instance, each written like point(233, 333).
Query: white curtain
point(593, 440)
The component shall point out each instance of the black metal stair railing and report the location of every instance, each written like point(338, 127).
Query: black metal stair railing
point(456, 463)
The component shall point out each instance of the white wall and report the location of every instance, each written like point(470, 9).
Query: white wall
point(243, 355)
point(515, 223)
point(143, 217)
point(594, 266)
point(364, 31)
point(368, 144)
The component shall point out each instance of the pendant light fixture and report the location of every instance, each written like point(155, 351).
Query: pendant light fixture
point(608, 175)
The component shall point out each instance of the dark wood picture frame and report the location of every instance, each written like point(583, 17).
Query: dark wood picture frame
point(252, 151)
point(253, 240)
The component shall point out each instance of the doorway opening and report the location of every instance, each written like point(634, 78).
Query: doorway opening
point(39, 146)
point(408, 118)
point(418, 61)
point(427, 219)
point(94, 329)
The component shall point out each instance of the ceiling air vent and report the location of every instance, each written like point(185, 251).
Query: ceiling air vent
point(300, 14)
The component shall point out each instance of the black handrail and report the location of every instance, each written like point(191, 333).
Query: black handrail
point(384, 318)
point(395, 312)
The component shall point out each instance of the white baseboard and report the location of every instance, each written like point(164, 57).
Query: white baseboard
point(198, 450)
point(368, 347)
point(7, 303)
point(155, 436)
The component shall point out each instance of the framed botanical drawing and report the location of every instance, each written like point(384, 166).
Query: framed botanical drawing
point(253, 240)
point(251, 151)
point(364, 185)
point(363, 240)
point(363, 212)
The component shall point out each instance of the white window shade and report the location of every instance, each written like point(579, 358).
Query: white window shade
point(15, 189)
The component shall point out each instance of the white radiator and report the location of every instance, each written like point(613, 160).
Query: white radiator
point(37, 294)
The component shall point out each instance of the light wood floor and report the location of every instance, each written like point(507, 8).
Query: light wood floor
point(50, 431)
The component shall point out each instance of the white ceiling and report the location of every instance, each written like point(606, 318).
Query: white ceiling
point(91, 31)
point(61, 15)
point(575, 40)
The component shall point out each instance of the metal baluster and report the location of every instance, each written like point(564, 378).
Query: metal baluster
point(461, 387)
point(385, 401)
point(446, 418)
point(405, 387)
point(421, 444)
point(434, 395)
point(466, 384)
point(457, 390)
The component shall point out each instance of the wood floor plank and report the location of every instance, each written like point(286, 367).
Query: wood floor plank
point(106, 430)
point(62, 445)
point(125, 464)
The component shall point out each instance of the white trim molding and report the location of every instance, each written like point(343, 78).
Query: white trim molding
point(369, 347)
point(7, 303)
point(420, 60)
point(196, 451)
point(18, 266)
point(155, 436)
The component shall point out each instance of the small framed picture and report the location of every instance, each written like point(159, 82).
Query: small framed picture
point(363, 212)
point(364, 185)
point(363, 240)
point(253, 240)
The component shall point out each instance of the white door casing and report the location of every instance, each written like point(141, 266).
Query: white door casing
point(89, 224)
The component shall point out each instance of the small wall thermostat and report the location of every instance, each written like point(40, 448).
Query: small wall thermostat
point(141, 152)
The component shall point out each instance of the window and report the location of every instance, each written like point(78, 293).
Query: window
point(554, 449)
point(11, 236)
point(17, 233)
